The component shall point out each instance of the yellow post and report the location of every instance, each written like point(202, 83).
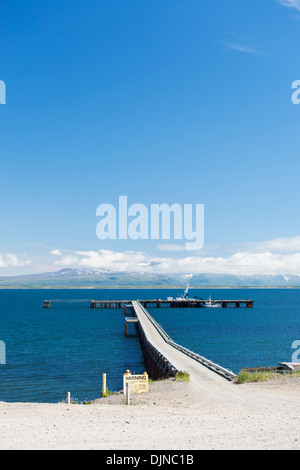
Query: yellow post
point(103, 385)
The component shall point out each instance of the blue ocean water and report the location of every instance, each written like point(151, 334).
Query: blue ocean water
point(52, 351)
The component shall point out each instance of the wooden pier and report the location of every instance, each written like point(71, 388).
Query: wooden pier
point(48, 303)
point(159, 303)
point(154, 303)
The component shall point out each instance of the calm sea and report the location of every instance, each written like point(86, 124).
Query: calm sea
point(50, 352)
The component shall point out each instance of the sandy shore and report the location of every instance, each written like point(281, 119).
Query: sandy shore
point(172, 416)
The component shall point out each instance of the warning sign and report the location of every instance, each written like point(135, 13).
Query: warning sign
point(138, 383)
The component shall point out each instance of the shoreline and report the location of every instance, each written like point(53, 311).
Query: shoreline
point(173, 415)
point(146, 287)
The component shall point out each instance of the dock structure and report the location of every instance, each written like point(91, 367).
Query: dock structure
point(110, 303)
point(48, 303)
point(163, 357)
point(128, 321)
point(154, 303)
point(159, 303)
point(89, 302)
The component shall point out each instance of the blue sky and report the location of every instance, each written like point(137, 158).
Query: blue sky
point(165, 102)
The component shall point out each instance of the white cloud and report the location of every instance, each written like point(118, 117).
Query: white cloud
point(242, 48)
point(56, 252)
point(275, 256)
point(262, 258)
point(68, 260)
point(128, 261)
point(238, 43)
point(279, 245)
point(290, 3)
point(15, 261)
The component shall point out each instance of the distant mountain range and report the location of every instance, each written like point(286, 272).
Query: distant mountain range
point(90, 278)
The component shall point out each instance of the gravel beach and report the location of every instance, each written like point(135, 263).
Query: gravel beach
point(172, 416)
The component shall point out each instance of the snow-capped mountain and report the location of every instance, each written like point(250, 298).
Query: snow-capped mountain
point(85, 277)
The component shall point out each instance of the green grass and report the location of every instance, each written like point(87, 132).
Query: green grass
point(261, 376)
point(248, 377)
point(108, 393)
point(75, 401)
point(182, 376)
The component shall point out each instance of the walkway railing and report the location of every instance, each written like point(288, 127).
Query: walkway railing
point(202, 360)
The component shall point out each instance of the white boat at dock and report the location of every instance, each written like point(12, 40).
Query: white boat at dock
point(210, 304)
point(185, 297)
